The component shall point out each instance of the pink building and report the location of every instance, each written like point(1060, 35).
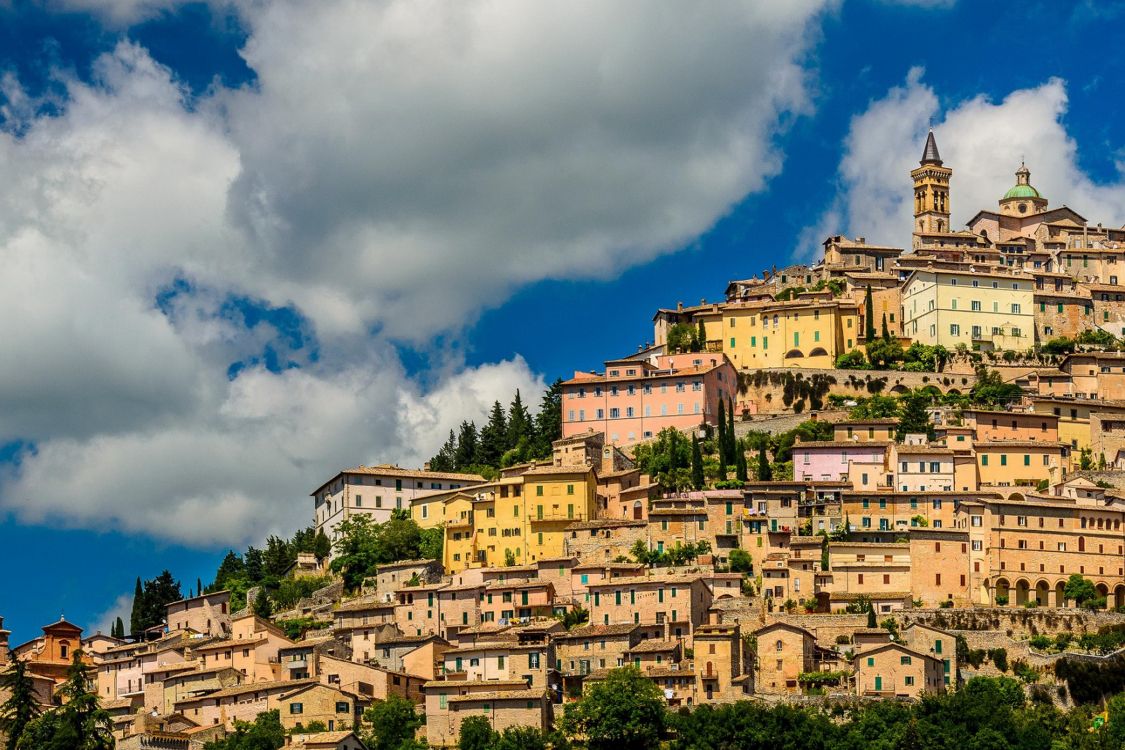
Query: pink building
point(840, 461)
point(634, 399)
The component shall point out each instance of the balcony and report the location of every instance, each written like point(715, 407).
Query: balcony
point(459, 523)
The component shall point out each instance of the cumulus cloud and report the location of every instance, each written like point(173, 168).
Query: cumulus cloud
point(102, 623)
point(983, 141)
point(396, 167)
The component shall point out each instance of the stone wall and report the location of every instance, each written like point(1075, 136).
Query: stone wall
point(1017, 622)
point(767, 397)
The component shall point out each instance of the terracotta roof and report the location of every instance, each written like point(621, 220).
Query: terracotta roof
point(252, 687)
point(924, 449)
point(359, 605)
point(605, 523)
point(654, 646)
point(597, 631)
point(522, 695)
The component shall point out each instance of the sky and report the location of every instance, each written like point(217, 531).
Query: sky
point(248, 243)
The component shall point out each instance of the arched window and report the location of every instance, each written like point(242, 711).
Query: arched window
point(778, 646)
point(64, 649)
point(1081, 544)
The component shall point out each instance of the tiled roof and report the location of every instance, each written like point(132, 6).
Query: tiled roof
point(596, 631)
point(252, 687)
point(523, 695)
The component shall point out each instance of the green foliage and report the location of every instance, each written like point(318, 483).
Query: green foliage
point(392, 723)
point(915, 418)
point(296, 627)
point(572, 618)
point(883, 354)
point(20, 707)
point(476, 734)
point(991, 390)
point(696, 464)
point(262, 606)
point(509, 558)
point(150, 600)
point(930, 358)
point(1058, 346)
point(292, 590)
point(1096, 337)
point(853, 360)
point(740, 561)
point(625, 711)
point(683, 338)
point(78, 724)
point(1078, 589)
point(821, 678)
point(875, 407)
point(999, 658)
point(667, 459)
point(1091, 682)
point(363, 545)
point(264, 733)
point(869, 316)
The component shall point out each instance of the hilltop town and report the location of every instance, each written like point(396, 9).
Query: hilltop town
point(875, 476)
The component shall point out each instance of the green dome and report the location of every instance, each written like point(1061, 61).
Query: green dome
point(1022, 191)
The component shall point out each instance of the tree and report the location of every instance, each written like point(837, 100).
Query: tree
point(696, 464)
point(79, 723)
point(230, 568)
point(466, 455)
point(393, 723)
point(356, 550)
point(322, 548)
point(548, 422)
point(509, 558)
point(476, 734)
point(721, 442)
point(120, 626)
point(886, 331)
point(991, 390)
point(882, 354)
point(872, 622)
point(527, 738)
point(21, 706)
point(625, 711)
point(264, 733)
point(136, 618)
point(740, 469)
point(740, 561)
point(915, 417)
point(1079, 589)
point(765, 473)
point(869, 315)
point(446, 457)
point(493, 437)
point(732, 441)
point(700, 338)
point(262, 606)
point(520, 426)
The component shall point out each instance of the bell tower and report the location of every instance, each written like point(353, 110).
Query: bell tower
point(931, 191)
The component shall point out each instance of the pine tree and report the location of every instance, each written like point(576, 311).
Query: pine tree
point(520, 426)
point(701, 337)
point(136, 618)
point(230, 568)
point(869, 310)
point(493, 437)
point(740, 469)
point(446, 457)
point(466, 454)
point(548, 422)
point(915, 418)
point(696, 464)
point(886, 331)
point(765, 471)
point(21, 707)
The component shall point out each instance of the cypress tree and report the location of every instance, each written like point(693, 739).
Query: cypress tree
point(466, 453)
point(21, 707)
point(696, 464)
point(740, 469)
point(136, 618)
point(765, 472)
point(732, 441)
point(871, 621)
point(548, 422)
point(886, 331)
point(520, 425)
point(869, 310)
point(262, 606)
point(701, 337)
point(721, 435)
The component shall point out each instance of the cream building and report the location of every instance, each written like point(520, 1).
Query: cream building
point(973, 307)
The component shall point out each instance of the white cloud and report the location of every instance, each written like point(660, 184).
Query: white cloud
point(102, 623)
point(396, 167)
point(981, 139)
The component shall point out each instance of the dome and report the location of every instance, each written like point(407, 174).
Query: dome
point(1022, 191)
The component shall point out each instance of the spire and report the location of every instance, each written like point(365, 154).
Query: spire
point(930, 154)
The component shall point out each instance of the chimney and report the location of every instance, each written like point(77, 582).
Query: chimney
point(861, 240)
point(679, 307)
point(426, 466)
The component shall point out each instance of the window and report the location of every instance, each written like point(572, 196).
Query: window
point(1015, 309)
point(954, 329)
point(975, 304)
point(342, 707)
point(296, 708)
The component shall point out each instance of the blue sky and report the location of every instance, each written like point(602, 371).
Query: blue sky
point(251, 243)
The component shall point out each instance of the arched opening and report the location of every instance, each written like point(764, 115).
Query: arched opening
point(900, 389)
point(940, 225)
point(1119, 596)
point(1060, 594)
point(638, 510)
point(954, 392)
point(1001, 592)
point(1023, 588)
point(1043, 593)
point(818, 352)
point(1103, 592)
point(1016, 497)
point(1081, 544)
point(64, 649)
point(794, 354)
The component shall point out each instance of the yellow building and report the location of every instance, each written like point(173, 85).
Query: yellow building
point(971, 307)
point(523, 514)
point(810, 331)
